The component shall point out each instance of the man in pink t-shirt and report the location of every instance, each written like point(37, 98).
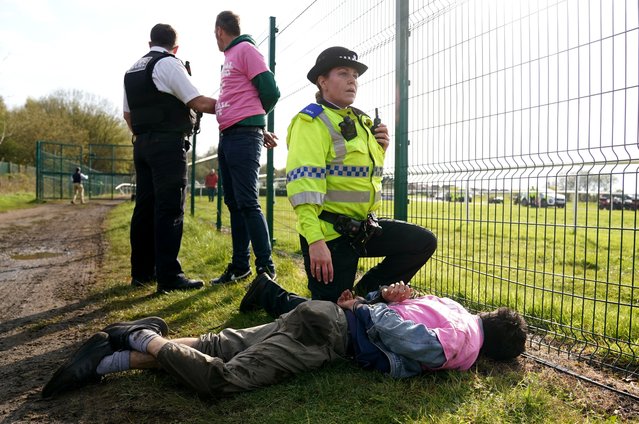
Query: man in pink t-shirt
point(247, 93)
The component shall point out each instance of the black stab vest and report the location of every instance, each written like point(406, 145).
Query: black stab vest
point(151, 109)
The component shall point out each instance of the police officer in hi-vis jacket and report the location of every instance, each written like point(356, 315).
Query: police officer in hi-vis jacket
point(334, 181)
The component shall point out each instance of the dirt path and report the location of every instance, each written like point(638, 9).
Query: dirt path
point(49, 259)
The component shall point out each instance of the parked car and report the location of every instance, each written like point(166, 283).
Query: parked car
point(605, 202)
point(496, 200)
point(280, 189)
point(542, 199)
point(536, 199)
point(631, 202)
point(457, 197)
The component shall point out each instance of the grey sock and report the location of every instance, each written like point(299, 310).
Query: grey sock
point(139, 340)
point(119, 361)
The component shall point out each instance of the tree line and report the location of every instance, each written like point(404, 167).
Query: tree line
point(70, 117)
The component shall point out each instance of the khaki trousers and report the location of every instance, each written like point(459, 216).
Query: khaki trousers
point(304, 339)
point(78, 189)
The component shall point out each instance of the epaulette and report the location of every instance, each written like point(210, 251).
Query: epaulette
point(358, 112)
point(313, 110)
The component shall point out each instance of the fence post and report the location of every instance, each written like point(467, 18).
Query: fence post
point(38, 170)
point(401, 111)
point(220, 194)
point(270, 198)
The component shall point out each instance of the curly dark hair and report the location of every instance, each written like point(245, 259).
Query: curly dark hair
point(505, 334)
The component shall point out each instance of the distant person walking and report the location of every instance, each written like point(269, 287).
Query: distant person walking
point(78, 189)
point(247, 93)
point(158, 100)
point(210, 182)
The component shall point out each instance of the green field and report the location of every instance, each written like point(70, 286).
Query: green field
point(574, 272)
point(489, 393)
point(477, 262)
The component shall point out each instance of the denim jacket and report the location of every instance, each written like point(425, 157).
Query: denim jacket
point(409, 347)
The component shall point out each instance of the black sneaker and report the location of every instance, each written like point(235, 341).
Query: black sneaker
point(120, 331)
point(181, 283)
point(251, 300)
point(231, 275)
point(268, 270)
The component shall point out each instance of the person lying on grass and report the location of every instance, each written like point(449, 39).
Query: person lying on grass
point(392, 332)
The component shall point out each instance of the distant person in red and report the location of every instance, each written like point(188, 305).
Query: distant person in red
point(210, 182)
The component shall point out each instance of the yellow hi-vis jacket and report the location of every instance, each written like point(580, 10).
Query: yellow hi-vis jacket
point(326, 172)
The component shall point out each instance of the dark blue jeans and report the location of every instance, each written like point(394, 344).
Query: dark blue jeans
point(158, 217)
point(239, 159)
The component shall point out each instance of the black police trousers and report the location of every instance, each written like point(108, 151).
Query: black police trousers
point(405, 248)
point(158, 217)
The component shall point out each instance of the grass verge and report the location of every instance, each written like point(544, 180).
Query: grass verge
point(340, 392)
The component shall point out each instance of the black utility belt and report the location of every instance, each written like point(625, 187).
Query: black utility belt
point(176, 134)
point(359, 232)
point(236, 129)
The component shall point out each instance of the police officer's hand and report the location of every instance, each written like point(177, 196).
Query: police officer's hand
point(269, 140)
point(397, 292)
point(382, 137)
point(321, 262)
point(347, 300)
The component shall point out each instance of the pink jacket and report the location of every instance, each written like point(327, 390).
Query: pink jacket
point(459, 332)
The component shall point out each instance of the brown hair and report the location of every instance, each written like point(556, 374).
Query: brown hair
point(229, 22)
point(320, 95)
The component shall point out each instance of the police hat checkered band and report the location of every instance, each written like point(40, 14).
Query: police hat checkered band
point(347, 171)
point(306, 172)
point(348, 57)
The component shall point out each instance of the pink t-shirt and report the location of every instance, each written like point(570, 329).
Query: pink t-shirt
point(458, 331)
point(238, 97)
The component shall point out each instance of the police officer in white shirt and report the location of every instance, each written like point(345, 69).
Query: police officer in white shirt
point(159, 100)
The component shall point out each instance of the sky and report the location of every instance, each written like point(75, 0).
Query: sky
point(48, 45)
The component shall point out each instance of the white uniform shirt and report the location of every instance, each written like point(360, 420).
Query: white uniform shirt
point(170, 76)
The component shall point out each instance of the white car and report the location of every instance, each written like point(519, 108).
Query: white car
point(560, 200)
point(541, 200)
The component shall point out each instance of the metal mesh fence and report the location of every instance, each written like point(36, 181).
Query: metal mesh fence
point(109, 168)
point(14, 168)
point(523, 152)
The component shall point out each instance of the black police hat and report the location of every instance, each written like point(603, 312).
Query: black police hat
point(332, 58)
